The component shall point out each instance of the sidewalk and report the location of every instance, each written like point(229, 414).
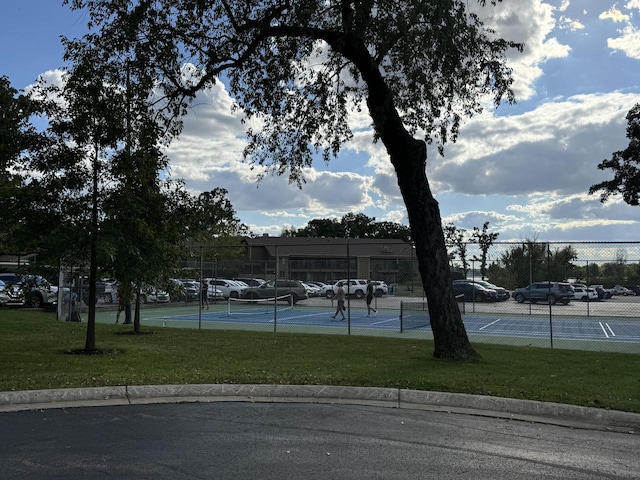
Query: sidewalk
point(524, 410)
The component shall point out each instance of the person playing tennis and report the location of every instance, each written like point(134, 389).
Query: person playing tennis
point(370, 298)
point(340, 298)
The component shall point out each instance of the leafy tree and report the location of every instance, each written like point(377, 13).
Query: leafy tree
point(390, 230)
point(533, 262)
point(625, 165)
point(456, 237)
point(19, 205)
point(351, 226)
point(321, 227)
point(484, 240)
point(86, 117)
point(296, 67)
point(357, 225)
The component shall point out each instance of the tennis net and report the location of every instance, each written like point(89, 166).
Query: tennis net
point(413, 315)
point(259, 306)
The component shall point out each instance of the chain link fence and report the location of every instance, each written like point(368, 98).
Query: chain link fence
point(601, 313)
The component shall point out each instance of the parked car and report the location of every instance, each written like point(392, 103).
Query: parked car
point(355, 287)
point(326, 289)
point(620, 290)
point(279, 288)
point(380, 288)
point(4, 298)
point(28, 290)
point(183, 290)
point(251, 282)
point(603, 293)
point(501, 292)
point(473, 292)
point(213, 294)
point(550, 292)
point(154, 295)
point(312, 290)
point(635, 289)
point(229, 288)
point(586, 294)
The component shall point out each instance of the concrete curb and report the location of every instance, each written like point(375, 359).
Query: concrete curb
point(527, 410)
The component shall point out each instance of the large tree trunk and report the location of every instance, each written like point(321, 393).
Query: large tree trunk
point(409, 157)
point(449, 334)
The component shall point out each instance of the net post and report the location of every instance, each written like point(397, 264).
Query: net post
point(401, 309)
point(229, 306)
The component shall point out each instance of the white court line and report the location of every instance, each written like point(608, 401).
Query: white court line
point(603, 329)
point(489, 324)
point(610, 330)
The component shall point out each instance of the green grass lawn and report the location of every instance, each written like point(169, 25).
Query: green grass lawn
point(35, 354)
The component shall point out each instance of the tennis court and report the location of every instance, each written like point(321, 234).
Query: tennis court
point(412, 319)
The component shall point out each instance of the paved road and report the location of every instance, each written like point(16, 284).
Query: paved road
point(242, 440)
point(306, 432)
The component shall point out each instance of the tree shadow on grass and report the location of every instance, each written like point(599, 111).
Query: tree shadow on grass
point(97, 351)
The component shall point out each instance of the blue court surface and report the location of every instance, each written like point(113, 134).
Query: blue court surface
point(608, 329)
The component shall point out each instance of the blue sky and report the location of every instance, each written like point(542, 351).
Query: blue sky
point(524, 168)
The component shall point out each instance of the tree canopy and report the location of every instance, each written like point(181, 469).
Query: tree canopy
point(625, 165)
point(296, 68)
point(351, 226)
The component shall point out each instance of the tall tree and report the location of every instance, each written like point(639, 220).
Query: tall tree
point(485, 239)
point(18, 136)
point(457, 238)
point(625, 165)
point(87, 123)
point(357, 225)
point(297, 66)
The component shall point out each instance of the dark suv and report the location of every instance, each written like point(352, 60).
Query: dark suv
point(278, 289)
point(473, 292)
point(549, 292)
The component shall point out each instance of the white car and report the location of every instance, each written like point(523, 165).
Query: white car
point(380, 288)
point(586, 294)
point(214, 294)
point(355, 287)
point(620, 290)
point(229, 288)
point(312, 290)
point(154, 295)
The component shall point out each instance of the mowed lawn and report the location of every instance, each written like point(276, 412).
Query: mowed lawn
point(37, 352)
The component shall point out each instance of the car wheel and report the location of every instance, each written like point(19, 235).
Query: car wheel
point(379, 293)
point(519, 298)
point(234, 295)
point(108, 298)
point(330, 293)
point(359, 294)
point(551, 299)
point(143, 299)
point(295, 298)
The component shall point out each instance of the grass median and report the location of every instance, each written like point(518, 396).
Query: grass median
point(36, 353)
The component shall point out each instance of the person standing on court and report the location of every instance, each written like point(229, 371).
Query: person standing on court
point(340, 299)
point(204, 293)
point(370, 299)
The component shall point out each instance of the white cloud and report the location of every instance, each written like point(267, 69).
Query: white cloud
point(554, 148)
point(614, 14)
point(531, 22)
point(629, 42)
